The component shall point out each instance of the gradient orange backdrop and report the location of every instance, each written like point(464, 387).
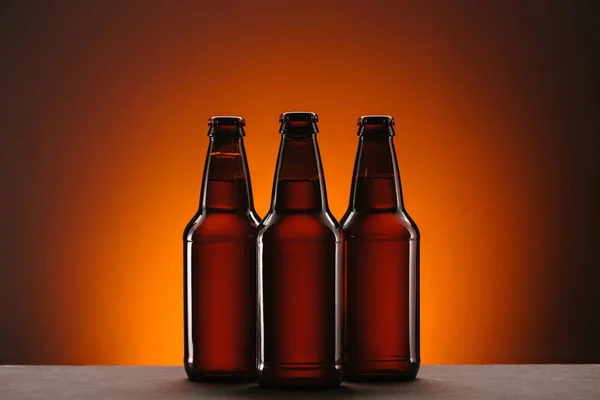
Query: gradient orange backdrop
point(108, 105)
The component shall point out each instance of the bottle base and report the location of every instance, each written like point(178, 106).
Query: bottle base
point(300, 378)
point(374, 373)
point(215, 376)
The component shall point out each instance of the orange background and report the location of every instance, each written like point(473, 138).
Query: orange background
point(104, 112)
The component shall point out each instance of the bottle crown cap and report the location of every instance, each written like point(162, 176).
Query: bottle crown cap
point(376, 120)
point(226, 123)
point(226, 120)
point(299, 116)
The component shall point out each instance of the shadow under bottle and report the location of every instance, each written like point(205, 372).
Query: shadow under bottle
point(299, 269)
point(220, 264)
point(381, 268)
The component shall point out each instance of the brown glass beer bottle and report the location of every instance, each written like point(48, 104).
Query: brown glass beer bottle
point(220, 264)
point(299, 268)
point(381, 267)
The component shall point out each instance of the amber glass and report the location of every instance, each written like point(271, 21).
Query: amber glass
point(220, 264)
point(381, 268)
point(299, 269)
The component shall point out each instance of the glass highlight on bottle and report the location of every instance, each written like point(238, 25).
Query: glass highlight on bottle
point(381, 272)
point(220, 264)
point(299, 268)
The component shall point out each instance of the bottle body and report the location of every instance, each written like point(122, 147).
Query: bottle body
point(299, 274)
point(300, 268)
point(220, 268)
point(381, 269)
point(220, 311)
point(381, 297)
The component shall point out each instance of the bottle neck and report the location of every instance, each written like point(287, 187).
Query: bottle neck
point(376, 182)
point(226, 182)
point(299, 185)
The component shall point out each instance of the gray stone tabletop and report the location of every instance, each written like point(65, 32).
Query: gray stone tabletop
point(434, 382)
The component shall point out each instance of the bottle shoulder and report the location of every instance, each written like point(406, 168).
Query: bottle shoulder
point(300, 226)
point(221, 227)
point(395, 224)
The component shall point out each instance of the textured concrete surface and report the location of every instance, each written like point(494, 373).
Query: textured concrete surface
point(434, 382)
